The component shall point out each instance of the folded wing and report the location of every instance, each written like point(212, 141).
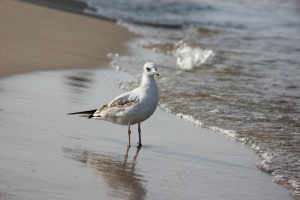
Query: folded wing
point(117, 105)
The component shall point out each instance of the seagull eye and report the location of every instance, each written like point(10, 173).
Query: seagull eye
point(148, 69)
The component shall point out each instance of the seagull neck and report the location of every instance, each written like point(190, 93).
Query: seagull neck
point(146, 80)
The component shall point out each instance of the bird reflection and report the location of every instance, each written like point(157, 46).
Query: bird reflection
point(119, 173)
point(77, 84)
point(79, 80)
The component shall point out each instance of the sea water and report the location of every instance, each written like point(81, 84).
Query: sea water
point(230, 66)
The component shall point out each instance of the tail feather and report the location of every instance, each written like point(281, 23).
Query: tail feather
point(87, 113)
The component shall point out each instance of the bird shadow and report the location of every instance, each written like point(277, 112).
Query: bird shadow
point(118, 171)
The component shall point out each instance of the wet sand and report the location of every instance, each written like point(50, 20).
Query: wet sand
point(46, 154)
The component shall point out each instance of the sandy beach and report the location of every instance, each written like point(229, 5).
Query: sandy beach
point(34, 37)
point(46, 154)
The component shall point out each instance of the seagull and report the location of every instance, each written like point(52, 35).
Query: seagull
point(132, 107)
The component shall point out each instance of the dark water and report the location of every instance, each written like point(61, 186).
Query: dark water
point(232, 66)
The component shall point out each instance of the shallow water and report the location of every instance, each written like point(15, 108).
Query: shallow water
point(47, 154)
point(232, 67)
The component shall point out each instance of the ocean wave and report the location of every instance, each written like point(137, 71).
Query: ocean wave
point(189, 119)
point(189, 57)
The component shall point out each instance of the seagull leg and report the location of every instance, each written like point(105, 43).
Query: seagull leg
point(140, 139)
point(128, 136)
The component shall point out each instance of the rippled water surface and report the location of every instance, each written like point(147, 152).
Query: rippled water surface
point(229, 66)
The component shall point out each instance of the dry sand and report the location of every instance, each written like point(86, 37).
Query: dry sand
point(33, 37)
point(45, 154)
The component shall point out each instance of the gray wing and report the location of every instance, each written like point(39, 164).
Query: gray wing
point(121, 101)
point(124, 99)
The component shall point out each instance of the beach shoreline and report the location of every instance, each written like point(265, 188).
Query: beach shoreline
point(53, 156)
point(35, 37)
point(47, 154)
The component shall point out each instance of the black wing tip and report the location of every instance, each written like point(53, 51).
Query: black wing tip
point(90, 112)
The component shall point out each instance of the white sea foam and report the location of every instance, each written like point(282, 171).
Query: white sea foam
point(265, 164)
point(267, 157)
point(165, 107)
point(255, 147)
point(230, 133)
point(295, 184)
point(214, 111)
point(189, 119)
point(191, 57)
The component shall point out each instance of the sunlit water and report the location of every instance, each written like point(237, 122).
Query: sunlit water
point(233, 67)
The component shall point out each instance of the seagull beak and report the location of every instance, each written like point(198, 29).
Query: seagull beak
point(155, 73)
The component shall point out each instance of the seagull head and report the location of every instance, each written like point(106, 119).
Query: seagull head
point(150, 69)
